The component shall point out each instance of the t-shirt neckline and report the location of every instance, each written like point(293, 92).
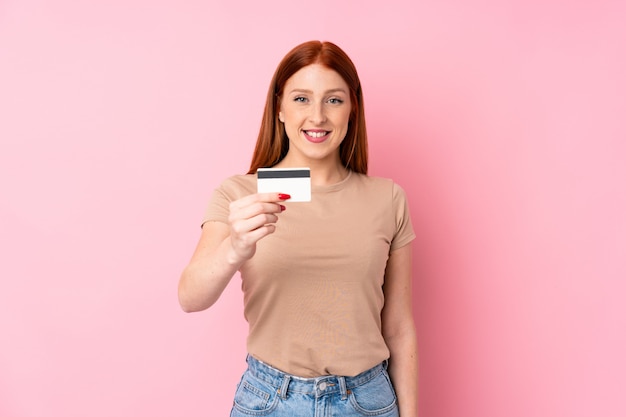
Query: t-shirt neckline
point(332, 187)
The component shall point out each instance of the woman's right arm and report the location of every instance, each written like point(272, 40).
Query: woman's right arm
point(223, 248)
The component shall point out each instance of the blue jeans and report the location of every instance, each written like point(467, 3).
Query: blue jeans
point(266, 391)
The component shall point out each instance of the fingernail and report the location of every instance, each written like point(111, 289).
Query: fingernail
point(284, 196)
point(282, 208)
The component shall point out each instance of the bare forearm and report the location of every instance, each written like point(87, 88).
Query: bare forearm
point(224, 247)
point(203, 281)
point(403, 370)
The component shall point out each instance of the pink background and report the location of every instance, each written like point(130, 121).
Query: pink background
point(504, 121)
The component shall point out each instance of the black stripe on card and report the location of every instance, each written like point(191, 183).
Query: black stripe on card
point(288, 173)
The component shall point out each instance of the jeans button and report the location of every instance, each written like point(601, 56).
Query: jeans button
point(322, 386)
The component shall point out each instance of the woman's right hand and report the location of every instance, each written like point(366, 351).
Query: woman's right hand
point(223, 248)
point(251, 219)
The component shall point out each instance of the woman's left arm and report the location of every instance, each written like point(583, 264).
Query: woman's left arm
point(399, 330)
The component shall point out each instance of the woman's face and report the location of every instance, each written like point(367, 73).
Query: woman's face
point(315, 109)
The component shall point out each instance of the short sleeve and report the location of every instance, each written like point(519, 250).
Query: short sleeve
point(231, 189)
point(404, 228)
point(218, 208)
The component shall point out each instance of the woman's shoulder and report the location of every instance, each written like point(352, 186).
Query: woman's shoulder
point(239, 180)
point(376, 182)
point(378, 188)
point(237, 186)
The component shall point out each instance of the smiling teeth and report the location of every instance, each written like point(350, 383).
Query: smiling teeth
point(316, 134)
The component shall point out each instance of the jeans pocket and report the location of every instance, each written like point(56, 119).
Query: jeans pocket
point(374, 398)
point(253, 397)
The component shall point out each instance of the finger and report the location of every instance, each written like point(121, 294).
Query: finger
point(243, 226)
point(261, 232)
point(255, 209)
point(250, 239)
point(259, 198)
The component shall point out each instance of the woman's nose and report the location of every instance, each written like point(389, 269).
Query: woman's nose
point(318, 115)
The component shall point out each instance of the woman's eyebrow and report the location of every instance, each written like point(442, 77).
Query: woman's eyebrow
point(332, 90)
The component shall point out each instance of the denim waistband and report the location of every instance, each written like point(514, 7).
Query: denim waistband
point(321, 385)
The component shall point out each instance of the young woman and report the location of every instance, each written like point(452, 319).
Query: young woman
point(326, 283)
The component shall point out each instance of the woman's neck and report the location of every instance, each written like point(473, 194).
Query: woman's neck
point(327, 176)
point(322, 172)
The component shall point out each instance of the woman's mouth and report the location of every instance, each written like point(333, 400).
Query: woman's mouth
point(316, 135)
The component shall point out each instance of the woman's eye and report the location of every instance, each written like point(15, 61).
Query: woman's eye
point(335, 101)
point(300, 99)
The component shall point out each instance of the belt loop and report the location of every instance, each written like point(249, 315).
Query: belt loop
point(282, 392)
point(342, 388)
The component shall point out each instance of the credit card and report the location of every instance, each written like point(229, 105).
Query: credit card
point(293, 181)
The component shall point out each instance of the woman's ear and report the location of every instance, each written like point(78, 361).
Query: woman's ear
point(280, 117)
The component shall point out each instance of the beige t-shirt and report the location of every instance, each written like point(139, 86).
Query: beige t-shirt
point(313, 290)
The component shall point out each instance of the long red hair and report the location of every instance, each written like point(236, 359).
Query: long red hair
point(272, 143)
